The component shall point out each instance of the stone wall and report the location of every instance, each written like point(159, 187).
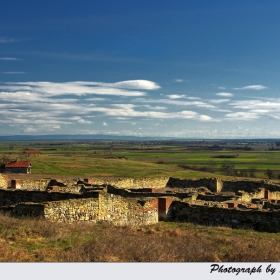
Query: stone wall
point(131, 183)
point(216, 197)
point(29, 209)
point(12, 197)
point(44, 184)
point(248, 185)
point(215, 216)
point(75, 186)
point(213, 184)
point(138, 193)
point(127, 211)
point(73, 210)
point(121, 203)
point(216, 185)
point(247, 197)
point(3, 181)
point(260, 194)
point(105, 207)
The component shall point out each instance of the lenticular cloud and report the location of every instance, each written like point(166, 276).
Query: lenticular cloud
point(253, 87)
point(137, 84)
point(123, 88)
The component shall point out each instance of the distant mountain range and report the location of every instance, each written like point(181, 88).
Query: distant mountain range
point(78, 137)
point(113, 137)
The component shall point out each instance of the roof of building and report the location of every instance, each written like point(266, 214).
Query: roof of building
point(20, 164)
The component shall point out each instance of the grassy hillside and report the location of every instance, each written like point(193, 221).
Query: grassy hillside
point(31, 240)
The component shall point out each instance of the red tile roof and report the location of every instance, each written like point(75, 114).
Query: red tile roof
point(20, 164)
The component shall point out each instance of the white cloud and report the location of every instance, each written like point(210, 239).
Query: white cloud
point(205, 118)
point(125, 88)
point(123, 119)
point(137, 84)
point(178, 80)
point(9, 58)
point(35, 107)
point(274, 117)
point(253, 87)
point(4, 40)
point(127, 110)
point(259, 111)
point(255, 109)
point(225, 94)
point(271, 104)
point(188, 114)
point(242, 116)
point(130, 84)
point(30, 130)
point(80, 120)
point(95, 99)
point(218, 101)
point(13, 73)
point(199, 104)
point(176, 96)
point(194, 115)
point(30, 98)
point(193, 98)
point(84, 121)
point(154, 107)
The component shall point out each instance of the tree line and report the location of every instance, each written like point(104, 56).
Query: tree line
point(229, 169)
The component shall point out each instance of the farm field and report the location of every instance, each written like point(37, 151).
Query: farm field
point(182, 159)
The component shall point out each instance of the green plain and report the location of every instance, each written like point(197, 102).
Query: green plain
point(146, 159)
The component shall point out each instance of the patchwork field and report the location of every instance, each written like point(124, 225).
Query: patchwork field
point(182, 159)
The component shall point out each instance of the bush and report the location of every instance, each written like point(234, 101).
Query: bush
point(228, 168)
point(269, 173)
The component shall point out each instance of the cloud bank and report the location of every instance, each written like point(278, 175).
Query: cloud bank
point(51, 107)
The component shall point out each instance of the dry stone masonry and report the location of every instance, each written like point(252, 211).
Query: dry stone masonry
point(252, 204)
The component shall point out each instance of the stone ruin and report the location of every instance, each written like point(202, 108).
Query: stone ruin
point(248, 204)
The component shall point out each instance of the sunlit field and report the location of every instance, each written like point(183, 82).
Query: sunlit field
point(182, 159)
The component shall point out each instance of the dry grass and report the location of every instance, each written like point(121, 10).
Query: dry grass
point(32, 240)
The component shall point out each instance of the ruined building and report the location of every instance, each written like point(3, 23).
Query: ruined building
point(248, 204)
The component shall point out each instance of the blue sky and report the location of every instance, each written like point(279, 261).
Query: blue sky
point(206, 69)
